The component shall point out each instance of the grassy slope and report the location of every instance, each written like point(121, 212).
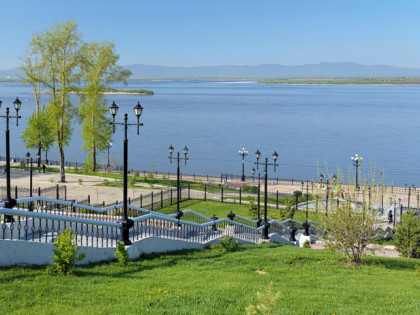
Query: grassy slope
point(208, 208)
point(212, 282)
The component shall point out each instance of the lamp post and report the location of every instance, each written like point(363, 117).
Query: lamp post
point(259, 201)
point(29, 160)
point(357, 161)
point(257, 156)
point(243, 152)
point(178, 171)
point(109, 146)
point(125, 221)
point(409, 194)
point(321, 178)
point(9, 202)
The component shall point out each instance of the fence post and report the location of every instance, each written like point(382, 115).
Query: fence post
point(240, 195)
point(16, 192)
point(152, 202)
point(221, 177)
point(129, 200)
point(57, 192)
point(39, 191)
point(141, 200)
point(189, 192)
point(222, 193)
point(65, 193)
point(171, 196)
point(205, 192)
point(89, 200)
point(277, 199)
point(161, 198)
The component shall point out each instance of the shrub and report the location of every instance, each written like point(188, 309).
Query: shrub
point(407, 236)
point(80, 181)
point(150, 175)
point(122, 254)
point(106, 182)
point(133, 181)
point(253, 209)
point(289, 211)
point(307, 244)
point(22, 164)
point(297, 193)
point(253, 189)
point(267, 304)
point(228, 245)
point(65, 253)
point(136, 174)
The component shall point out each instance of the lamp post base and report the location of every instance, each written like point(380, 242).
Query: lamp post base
point(265, 231)
point(127, 224)
point(9, 203)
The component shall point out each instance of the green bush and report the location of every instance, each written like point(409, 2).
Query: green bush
point(253, 189)
point(150, 175)
point(289, 211)
point(297, 193)
point(22, 164)
point(252, 209)
point(80, 181)
point(228, 245)
point(268, 303)
point(65, 253)
point(307, 244)
point(106, 182)
point(136, 174)
point(407, 236)
point(122, 254)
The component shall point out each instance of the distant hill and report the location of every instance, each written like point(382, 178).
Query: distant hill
point(321, 70)
point(259, 72)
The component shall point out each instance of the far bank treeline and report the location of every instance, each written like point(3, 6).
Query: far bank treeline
point(348, 81)
point(59, 63)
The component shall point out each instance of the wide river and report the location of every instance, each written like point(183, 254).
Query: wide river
point(308, 126)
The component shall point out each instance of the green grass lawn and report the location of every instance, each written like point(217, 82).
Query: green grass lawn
point(214, 282)
point(221, 210)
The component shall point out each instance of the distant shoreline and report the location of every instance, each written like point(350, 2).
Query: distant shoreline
point(353, 81)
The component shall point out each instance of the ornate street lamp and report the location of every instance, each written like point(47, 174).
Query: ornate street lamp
point(126, 222)
point(357, 161)
point(266, 224)
point(257, 156)
point(179, 213)
point(9, 202)
point(243, 152)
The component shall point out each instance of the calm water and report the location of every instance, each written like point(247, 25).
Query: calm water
point(305, 124)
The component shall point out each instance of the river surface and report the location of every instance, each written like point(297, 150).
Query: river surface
point(308, 126)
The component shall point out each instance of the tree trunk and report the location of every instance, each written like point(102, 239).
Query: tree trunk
point(62, 173)
point(94, 159)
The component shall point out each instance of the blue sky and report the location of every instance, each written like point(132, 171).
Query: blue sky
point(227, 32)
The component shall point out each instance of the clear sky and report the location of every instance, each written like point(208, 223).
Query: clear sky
point(227, 32)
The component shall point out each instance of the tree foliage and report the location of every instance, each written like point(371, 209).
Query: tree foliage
point(38, 133)
point(98, 70)
point(349, 222)
point(407, 236)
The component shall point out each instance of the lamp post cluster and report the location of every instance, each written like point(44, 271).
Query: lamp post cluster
point(257, 156)
point(178, 171)
point(138, 109)
point(9, 202)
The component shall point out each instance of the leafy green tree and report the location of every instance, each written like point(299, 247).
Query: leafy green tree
point(34, 70)
point(38, 133)
point(99, 69)
point(59, 51)
point(349, 224)
point(407, 236)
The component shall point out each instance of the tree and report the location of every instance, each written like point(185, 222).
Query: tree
point(99, 70)
point(34, 70)
point(59, 52)
point(253, 209)
point(38, 133)
point(407, 235)
point(348, 223)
